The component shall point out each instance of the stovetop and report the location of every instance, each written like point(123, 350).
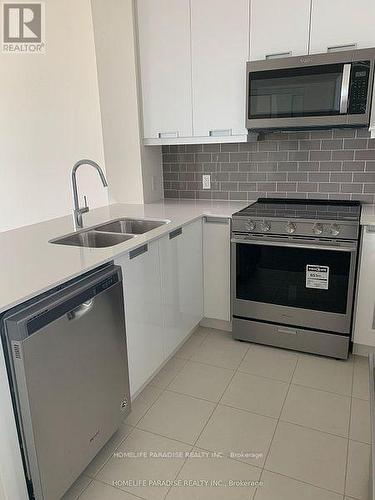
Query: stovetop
point(299, 218)
point(303, 209)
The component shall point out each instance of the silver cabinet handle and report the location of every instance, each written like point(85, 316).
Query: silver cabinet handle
point(80, 310)
point(287, 330)
point(278, 54)
point(138, 251)
point(175, 233)
point(216, 220)
point(344, 98)
point(220, 133)
point(337, 48)
point(168, 135)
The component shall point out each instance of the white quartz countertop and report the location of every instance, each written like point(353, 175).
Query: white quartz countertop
point(368, 215)
point(30, 265)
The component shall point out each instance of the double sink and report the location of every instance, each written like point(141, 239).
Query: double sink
point(110, 233)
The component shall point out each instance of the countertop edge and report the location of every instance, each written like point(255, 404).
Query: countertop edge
point(181, 220)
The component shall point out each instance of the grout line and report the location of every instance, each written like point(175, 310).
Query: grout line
point(119, 489)
point(209, 419)
point(152, 404)
point(110, 456)
point(185, 362)
point(269, 449)
point(304, 482)
point(220, 366)
point(314, 429)
point(350, 419)
point(278, 420)
point(235, 371)
point(322, 390)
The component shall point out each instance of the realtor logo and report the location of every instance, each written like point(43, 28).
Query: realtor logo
point(23, 28)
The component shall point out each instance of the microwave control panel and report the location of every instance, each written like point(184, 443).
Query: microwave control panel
point(359, 83)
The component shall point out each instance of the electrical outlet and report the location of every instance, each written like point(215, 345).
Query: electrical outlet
point(206, 181)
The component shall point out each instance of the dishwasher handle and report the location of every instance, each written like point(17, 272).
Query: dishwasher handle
point(80, 310)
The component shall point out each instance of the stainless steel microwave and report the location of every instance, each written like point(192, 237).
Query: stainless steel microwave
point(321, 90)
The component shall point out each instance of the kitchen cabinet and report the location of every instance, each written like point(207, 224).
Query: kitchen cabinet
point(220, 43)
point(364, 326)
point(216, 266)
point(165, 68)
point(342, 23)
point(143, 312)
point(279, 28)
point(182, 283)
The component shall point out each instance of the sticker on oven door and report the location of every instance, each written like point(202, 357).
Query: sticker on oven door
point(317, 277)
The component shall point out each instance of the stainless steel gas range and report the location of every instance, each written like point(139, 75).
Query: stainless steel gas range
point(293, 268)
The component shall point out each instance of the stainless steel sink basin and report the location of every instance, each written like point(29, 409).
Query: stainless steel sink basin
point(92, 239)
point(110, 233)
point(130, 226)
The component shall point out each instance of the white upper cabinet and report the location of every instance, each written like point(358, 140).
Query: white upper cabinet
point(342, 22)
point(165, 65)
point(220, 42)
point(279, 27)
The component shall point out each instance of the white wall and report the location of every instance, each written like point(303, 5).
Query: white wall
point(50, 118)
point(134, 172)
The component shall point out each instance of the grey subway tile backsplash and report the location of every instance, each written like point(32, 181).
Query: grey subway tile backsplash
point(326, 164)
point(366, 154)
point(331, 144)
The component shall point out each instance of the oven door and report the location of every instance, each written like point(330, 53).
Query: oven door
point(295, 282)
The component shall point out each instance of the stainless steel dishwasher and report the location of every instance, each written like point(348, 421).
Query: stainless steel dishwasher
point(68, 369)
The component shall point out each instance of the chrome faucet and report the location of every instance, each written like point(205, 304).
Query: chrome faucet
point(79, 211)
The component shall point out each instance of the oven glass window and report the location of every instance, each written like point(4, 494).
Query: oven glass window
point(283, 276)
point(310, 91)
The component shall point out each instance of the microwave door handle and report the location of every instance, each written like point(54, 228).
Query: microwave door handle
point(344, 97)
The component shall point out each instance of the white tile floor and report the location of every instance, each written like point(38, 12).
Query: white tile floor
point(296, 423)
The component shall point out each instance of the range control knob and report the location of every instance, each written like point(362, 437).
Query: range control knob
point(318, 229)
point(250, 225)
point(265, 226)
point(334, 230)
point(290, 227)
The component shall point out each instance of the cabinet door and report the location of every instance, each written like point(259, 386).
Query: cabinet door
point(143, 313)
point(220, 41)
point(364, 327)
point(279, 27)
point(342, 22)
point(216, 265)
point(191, 274)
point(182, 283)
point(165, 65)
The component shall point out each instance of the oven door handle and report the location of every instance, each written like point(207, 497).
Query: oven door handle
point(348, 248)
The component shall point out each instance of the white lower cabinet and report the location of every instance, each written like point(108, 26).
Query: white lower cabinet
point(216, 265)
point(143, 312)
point(364, 327)
point(182, 283)
point(163, 294)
